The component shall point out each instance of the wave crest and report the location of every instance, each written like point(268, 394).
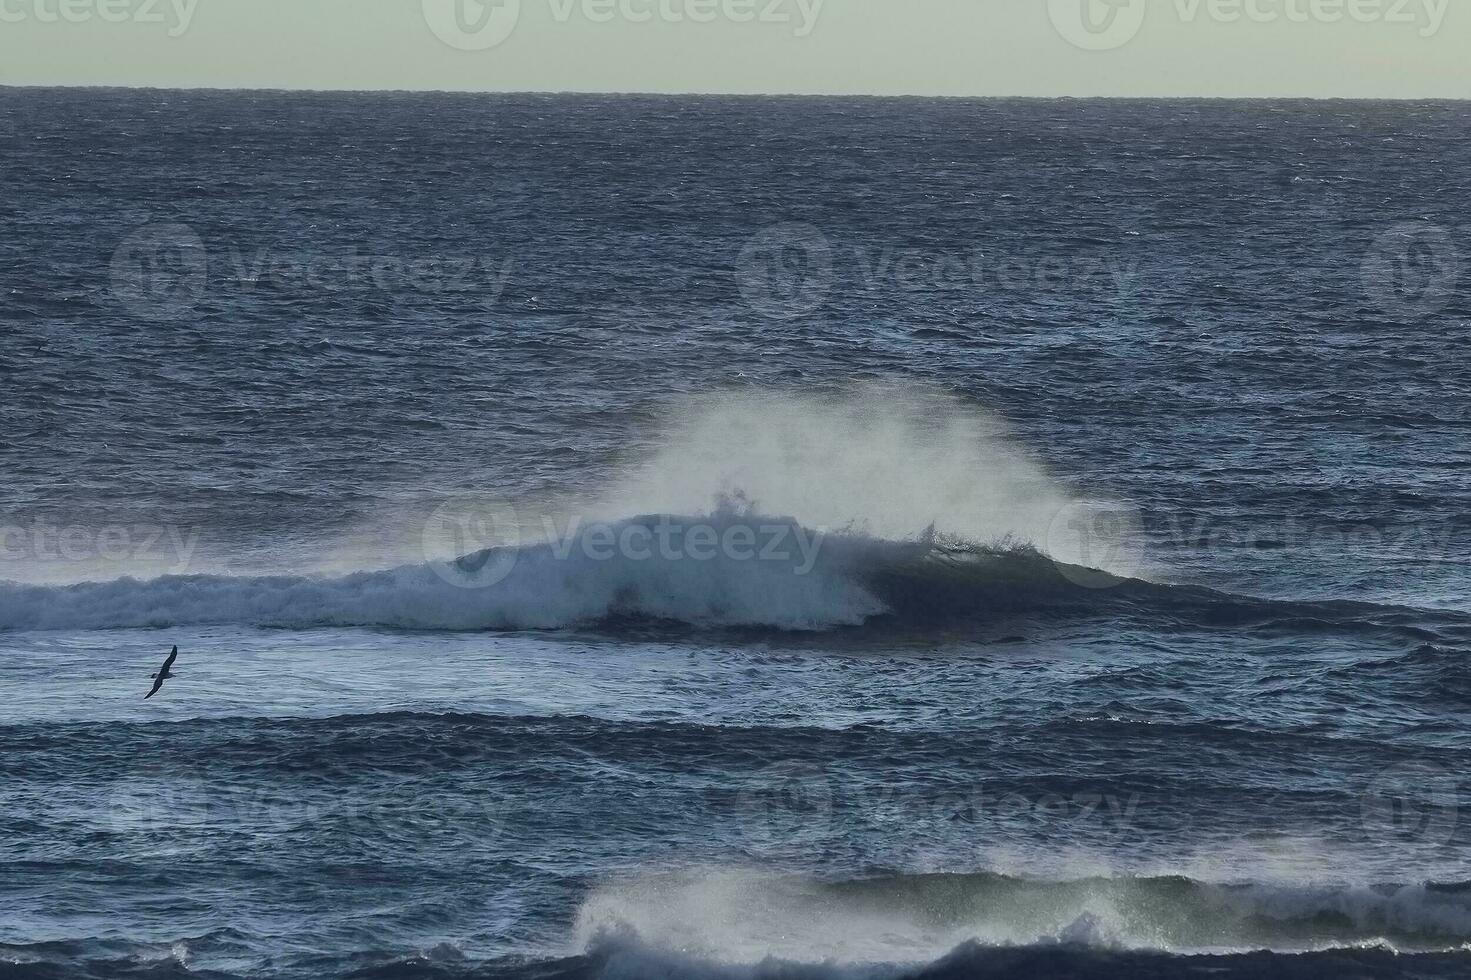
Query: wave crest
point(737, 917)
point(779, 575)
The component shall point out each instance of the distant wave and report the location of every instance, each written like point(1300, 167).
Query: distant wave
point(845, 580)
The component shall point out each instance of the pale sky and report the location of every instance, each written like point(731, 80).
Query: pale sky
point(1322, 48)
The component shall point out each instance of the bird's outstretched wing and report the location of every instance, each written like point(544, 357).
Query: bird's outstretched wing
point(163, 673)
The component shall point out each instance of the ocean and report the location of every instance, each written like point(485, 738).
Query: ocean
point(655, 538)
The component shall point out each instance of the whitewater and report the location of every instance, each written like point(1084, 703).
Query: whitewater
point(934, 474)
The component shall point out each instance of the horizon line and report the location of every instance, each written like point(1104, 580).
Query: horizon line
point(738, 95)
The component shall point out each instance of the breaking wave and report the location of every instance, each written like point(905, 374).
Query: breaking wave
point(973, 960)
point(781, 576)
point(740, 917)
point(903, 506)
point(747, 926)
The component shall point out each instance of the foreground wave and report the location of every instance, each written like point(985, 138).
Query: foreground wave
point(223, 955)
point(969, 962)
point(629, 962)
point(745, 917)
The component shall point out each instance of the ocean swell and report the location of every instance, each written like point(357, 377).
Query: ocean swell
point(661, 568)
point(779, 575)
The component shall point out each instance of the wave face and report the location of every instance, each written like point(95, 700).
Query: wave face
point(739, 917)
point(629, 961)
point(742, 926)
point(973, 961)
point(662, 568)
point(780, 575)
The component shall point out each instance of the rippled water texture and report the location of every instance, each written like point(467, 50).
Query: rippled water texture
point(642, 538)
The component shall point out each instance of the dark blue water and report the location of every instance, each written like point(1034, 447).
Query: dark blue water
point(733, 538)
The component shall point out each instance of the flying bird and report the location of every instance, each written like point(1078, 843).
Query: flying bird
point(163, 674)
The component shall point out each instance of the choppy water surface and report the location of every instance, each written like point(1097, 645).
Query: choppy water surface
point(634, 538)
